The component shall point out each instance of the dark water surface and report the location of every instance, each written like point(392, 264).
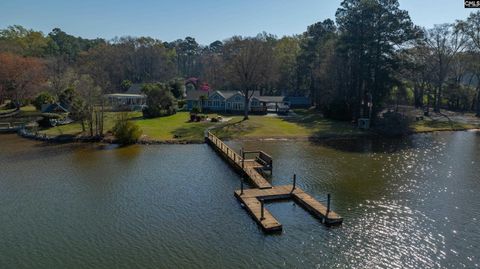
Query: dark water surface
point(410, 203)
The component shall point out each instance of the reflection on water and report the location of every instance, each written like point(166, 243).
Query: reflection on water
point(407, 203)
point(367, 145)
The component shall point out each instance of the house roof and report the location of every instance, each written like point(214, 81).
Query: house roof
point(195, 95)
point(55, 107)
point(125, 95)
point(271, 99)
point(136, 88)
point(229, 94)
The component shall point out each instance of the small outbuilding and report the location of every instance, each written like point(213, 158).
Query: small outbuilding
point(126, 102)
point(55, 108)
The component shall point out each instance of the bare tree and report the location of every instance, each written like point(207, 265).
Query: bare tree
point(445, 42)
point(247, 65)
point(471, 27)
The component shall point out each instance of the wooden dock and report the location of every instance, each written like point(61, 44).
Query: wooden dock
point(247, 167)
point(254, 199)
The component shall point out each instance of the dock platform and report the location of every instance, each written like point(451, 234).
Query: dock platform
point(254, 199)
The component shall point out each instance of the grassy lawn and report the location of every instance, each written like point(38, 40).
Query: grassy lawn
point(435, 125)
point(305, 124)
point(76, 128)
point(174, 127)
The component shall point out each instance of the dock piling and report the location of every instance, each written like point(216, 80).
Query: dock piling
point(328, 204)
point(241, 186)
point(243, 158)
point(294, 181)
point(253, 199)
point(262, 204)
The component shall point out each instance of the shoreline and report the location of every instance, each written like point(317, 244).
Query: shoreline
point(65, 139)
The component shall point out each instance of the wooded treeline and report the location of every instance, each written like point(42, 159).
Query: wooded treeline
point(371, 56)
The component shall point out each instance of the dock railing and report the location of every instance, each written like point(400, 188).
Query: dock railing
point(234, 156)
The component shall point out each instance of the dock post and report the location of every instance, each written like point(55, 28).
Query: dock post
point(241, 186)
point(294, 181)
point(328, 204)
point(243, 159)
point(262, 217)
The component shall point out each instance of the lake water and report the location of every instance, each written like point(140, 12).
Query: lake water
point(409, 203)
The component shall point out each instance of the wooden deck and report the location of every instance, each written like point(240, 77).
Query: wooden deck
point(251, 199)
point(249, 168)
point(264, 191)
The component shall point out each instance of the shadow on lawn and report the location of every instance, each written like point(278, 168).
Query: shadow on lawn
point(344, 136)
point(233, 129)
point(191, 132)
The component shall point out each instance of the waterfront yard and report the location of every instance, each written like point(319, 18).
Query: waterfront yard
point(174, 127)
point(302, 124)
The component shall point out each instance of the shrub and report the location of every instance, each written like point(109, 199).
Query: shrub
point(126, 132)
point(125, 85)
point(181, 104)
point(393, 124)
point(195, 110)
point(43, 98)
point(160, 101)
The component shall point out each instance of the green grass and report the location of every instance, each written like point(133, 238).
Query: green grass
point(174, 127)
point(76, 128)
point(29, 108)
point(435, 125)
point(306, 124)
point(178, 128)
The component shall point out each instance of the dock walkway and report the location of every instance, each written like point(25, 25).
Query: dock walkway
point(247, 167)
point(254, 199)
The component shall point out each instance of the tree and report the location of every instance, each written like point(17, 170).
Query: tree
point(125, 85)
point(91, 95)
point(445, 42)
point(20, 77)
point(416, 70)
point(126, 131)
point(246, 62)
point(177, 87)
point(472, 29)
point(42, 99)
point(286, 51)
point(310, 59)
point(371, 32)
point(22, 41)
point(160, 100)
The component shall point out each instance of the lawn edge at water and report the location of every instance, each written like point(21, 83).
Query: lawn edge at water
point(305, 125)
point(88, 139)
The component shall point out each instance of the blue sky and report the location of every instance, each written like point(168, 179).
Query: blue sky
point(206, 20)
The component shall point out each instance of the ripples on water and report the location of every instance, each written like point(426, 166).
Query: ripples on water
point(409, 203)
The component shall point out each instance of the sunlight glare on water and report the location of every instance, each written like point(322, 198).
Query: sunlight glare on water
point(406, 203)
